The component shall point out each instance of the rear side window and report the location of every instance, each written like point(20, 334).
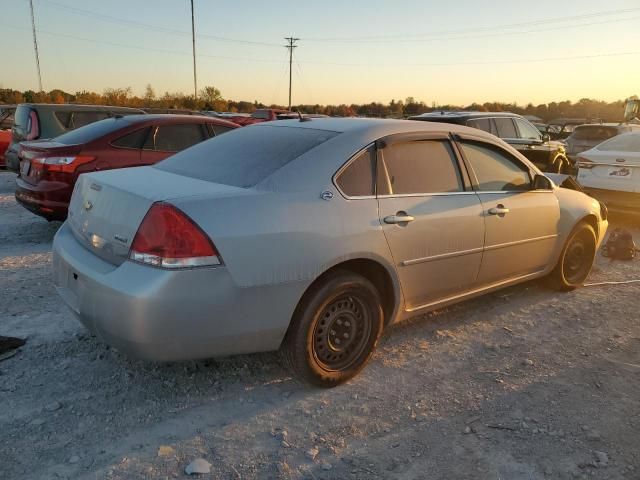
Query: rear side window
point(357, 180)
point(245, 156)
point(495, 169)
point(421, 167)
point(174, 138)
point(506, 128)
point(80, 119)
point(219, 129)
point(133, 140)
point(482, 124)
point(90, 132)
point(64, 117)
point(595, 133)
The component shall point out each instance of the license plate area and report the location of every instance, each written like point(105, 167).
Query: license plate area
point(25, 166)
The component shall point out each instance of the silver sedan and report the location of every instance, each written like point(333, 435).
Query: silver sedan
point(311, 237)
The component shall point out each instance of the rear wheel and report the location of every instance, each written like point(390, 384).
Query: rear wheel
point(576, 259)
point(334, 330)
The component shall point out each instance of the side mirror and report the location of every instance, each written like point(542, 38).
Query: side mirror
point(540, 182)
point(546, 137)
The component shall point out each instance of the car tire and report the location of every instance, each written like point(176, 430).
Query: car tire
point(576, 259)
point(334, 330)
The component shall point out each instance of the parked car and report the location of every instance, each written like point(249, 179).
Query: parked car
point(312, 236)
point(585, 137)
point(6, 122)
point(611, 172)
point(262, 115)
point(547, 155)
point(35, 121)
point(49, 170)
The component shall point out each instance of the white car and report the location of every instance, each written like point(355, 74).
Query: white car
point(611, 172)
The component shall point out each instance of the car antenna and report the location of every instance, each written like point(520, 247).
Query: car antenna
point(301, 118)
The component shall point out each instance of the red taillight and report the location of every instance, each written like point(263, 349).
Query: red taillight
point(67, 164)
point(167, 238)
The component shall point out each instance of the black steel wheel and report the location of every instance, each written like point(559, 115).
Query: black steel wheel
point(576, 259)
point(334, 330)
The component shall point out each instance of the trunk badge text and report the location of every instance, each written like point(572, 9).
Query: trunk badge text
point(88, 205)
point(121, 239)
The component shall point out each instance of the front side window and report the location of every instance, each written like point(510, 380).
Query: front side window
point(174, 138)
point(495, 169)
point(421, 167)
point(357, 180)
point(506, 128)
point(527, 131)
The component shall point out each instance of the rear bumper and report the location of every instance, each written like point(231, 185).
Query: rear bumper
point(11, 160)
point(163, 315)
point(47, 199)
point(616, 201)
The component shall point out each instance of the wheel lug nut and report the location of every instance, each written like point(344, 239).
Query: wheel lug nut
point(347, 324)
point(337, 341)
point(339, 322)
point(333, 332)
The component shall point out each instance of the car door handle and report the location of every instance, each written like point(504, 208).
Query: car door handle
point(400, 217)
point(499, 210)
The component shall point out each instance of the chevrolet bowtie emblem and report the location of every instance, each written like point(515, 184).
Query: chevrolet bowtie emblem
point(88, 205)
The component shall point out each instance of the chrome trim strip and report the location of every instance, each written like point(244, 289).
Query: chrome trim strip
point(520, 242)
point(442, 256)
point(473, 292)
point(443, 194)
point(589, 165)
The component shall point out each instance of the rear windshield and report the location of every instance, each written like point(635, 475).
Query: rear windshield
point(90, 132)
point(594, 133)
point(245, 156)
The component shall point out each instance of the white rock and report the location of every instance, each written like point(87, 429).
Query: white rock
point(602, 458)
point(199, 465)
point(52, 407)
point(74, 459)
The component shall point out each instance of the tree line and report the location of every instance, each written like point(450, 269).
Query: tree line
point(210, 98)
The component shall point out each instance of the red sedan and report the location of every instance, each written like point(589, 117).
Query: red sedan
point(50, 168)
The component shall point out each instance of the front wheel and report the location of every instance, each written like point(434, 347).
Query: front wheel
point(334, 330)
point(576, 259)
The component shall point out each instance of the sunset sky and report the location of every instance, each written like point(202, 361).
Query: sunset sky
point(349, 51)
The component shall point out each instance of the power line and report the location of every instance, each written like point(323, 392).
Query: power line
point(35, 44)
point(291, 45)
point(407, 37)
point(155, 28)
point(315, 62)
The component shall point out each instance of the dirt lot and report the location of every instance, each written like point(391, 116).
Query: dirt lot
point(522, 384)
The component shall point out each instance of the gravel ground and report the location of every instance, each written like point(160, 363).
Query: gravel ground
point(525, 383)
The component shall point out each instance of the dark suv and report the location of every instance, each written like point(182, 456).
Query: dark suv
point(34, 121)
point(547, 155)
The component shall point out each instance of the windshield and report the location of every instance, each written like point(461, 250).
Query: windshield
point(245, 156)
point(629, 142)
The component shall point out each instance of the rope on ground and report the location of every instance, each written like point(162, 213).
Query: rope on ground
point(624, 282)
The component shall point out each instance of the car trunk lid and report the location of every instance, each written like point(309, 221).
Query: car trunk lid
point(108, 207)
point(32, 167)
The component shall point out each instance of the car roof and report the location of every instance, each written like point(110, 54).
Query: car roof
point(79, 107)
point(464, 114)
point(171, 117)
point(377, 126)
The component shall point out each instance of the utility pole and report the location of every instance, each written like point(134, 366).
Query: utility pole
point(292, 44)
point(35, 44)
point(193, 41)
